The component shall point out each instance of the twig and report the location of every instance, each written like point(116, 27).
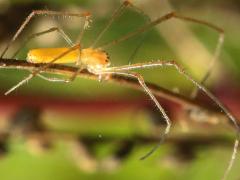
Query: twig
point(130, 82)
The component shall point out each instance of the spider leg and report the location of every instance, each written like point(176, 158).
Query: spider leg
point(150, 94)
point(40, 12)
point(25, 80)
point(78, 60)
point(115, 15)
point(199, 86)
point(50, 30)
point(140, 43)
point(217, 50)
point(30, 76)
point(42, 68)
point(173, 15)
point(224, 109)
point(215, 56)
point(35, 35)
point(136, 49)
point(68, 80)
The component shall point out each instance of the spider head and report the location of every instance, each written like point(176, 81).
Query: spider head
point(95, 59)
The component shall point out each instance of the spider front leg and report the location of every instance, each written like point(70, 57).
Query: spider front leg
point(86, 15)
point(141, 81)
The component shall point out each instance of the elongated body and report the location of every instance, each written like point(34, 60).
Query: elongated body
point(46, 55)
point(89, 58)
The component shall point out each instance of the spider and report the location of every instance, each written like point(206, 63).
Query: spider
point(96, 60)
